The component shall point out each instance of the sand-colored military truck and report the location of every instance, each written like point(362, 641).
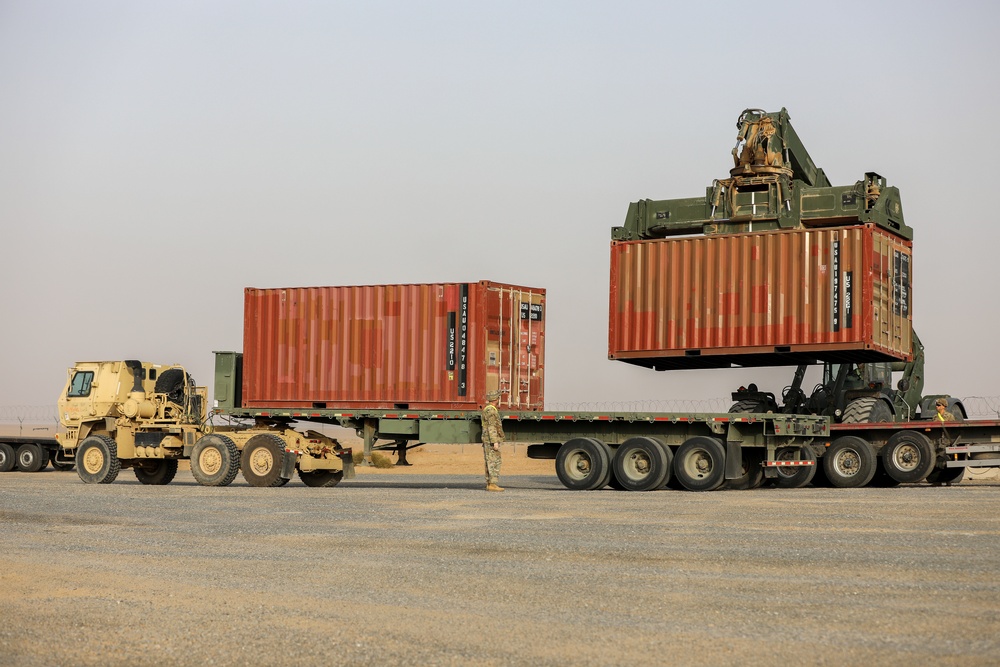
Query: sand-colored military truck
point(148, 417)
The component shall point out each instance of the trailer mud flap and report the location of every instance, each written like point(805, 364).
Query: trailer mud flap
point(347, 458)
point(288, 462)
point(734, 459)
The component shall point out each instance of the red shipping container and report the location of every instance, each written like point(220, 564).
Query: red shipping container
point(764, 299)
point(435, 347)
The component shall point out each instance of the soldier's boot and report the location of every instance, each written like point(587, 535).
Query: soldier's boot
point(493, 487)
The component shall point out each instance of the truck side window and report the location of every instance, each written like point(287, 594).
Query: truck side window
point(80, 386)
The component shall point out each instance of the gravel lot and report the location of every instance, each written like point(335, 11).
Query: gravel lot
point(428, 569)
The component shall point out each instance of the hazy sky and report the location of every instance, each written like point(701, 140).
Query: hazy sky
point(158, 157)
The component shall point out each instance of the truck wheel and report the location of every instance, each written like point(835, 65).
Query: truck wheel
point(849, 463)
point(215, 460)
point(700, 464)
point(261, 460)
point(7, 458)
point(321, 478)
point(908, 457)
point(642, 464)
point(156, 472)
point(31, 458)
point(948, 476)
point(753, 472)
point(795, 477)
point(97, 460)
point(583, 464)
point(867, 410)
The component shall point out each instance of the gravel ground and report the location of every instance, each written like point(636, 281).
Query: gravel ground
point(430, 570)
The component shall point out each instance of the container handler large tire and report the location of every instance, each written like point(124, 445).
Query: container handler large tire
point(7, 458)
point(31, 458)
point(748, 405)
point(795, 477)
point(700, 464)
point(849, 463)
point(321, 478)
point(261, 460)
point(642, 464)
point(156, 472)
point(215, 460)
point(97, 460)
point(908, 457)
point(867, 410)
point(583, 464)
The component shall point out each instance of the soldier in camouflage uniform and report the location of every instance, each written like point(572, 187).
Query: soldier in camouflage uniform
point(941, 405)
point(492, 437)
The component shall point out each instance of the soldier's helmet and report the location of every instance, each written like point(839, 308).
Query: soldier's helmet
point(941, 401)
point(492, 395)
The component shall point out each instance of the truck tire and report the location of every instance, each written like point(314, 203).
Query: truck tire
point(867, 410)
point(642, 464)
point(908, 457)
point(849, 463)
point(795, 477)
point(97, 460)
point(156, 472)
point(753, 472)
point(948, 476)
point(583, 464)
point(31, 458)
point(215, 460)
point(700, 464)
point(7, 458)
point(261, 460)
point(321, 478)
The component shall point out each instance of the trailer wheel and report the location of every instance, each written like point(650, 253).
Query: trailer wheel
point(97, 460)
point(7, 458)
point(700, 464)
point(795, 477)
point(31, 458)
point(642, 464)
point(849, 463)
point(881, 478)
point(948, 476)
point(867, 410)
point(261, 460)
point(322, 478)
point(753, 472)
point(156, 472)
point(908, 456)
point(215, 460)
point(583, 464)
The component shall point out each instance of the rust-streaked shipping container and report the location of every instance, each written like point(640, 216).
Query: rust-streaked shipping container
point(764, 299)
point(433, 346)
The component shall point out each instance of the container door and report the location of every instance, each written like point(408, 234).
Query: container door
point(515, 346)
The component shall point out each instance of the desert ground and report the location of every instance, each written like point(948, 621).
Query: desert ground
point(420, 566)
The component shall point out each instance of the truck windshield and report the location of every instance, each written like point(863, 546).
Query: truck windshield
point(80, 385)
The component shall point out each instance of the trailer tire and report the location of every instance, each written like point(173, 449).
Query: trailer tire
point(215, 460)
point(7, 458)
point(849, 463)
point(642, 464)
point(583, 464)
point(322, 478)
point(881, 478)
point(753, 472)
point(700, 464)
point(948, 476)
point(867, 410)
point(97, 460)
point(31, 458)
point(795, 477)
point(156, 472)
point(261, 460)
point(908, 457)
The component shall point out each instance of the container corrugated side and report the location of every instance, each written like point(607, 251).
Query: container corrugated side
point(427, 346)
point(761, 299)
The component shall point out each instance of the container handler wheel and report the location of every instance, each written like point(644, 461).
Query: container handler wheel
point(97, 460)
point(748, 405)
point(849, 463)
point(322, 478)
point(948, 476)
point(700, 464)
point(908, 457)
point(583, 464)
point(795, 477)
point(7, 458)
point(261, 460)
point(215, 460)
point(31, 458)
point(642, 464)
point(156, 472)
point(867, 410)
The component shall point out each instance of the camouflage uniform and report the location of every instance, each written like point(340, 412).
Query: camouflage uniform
point(943, 416)
point(492, 434)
